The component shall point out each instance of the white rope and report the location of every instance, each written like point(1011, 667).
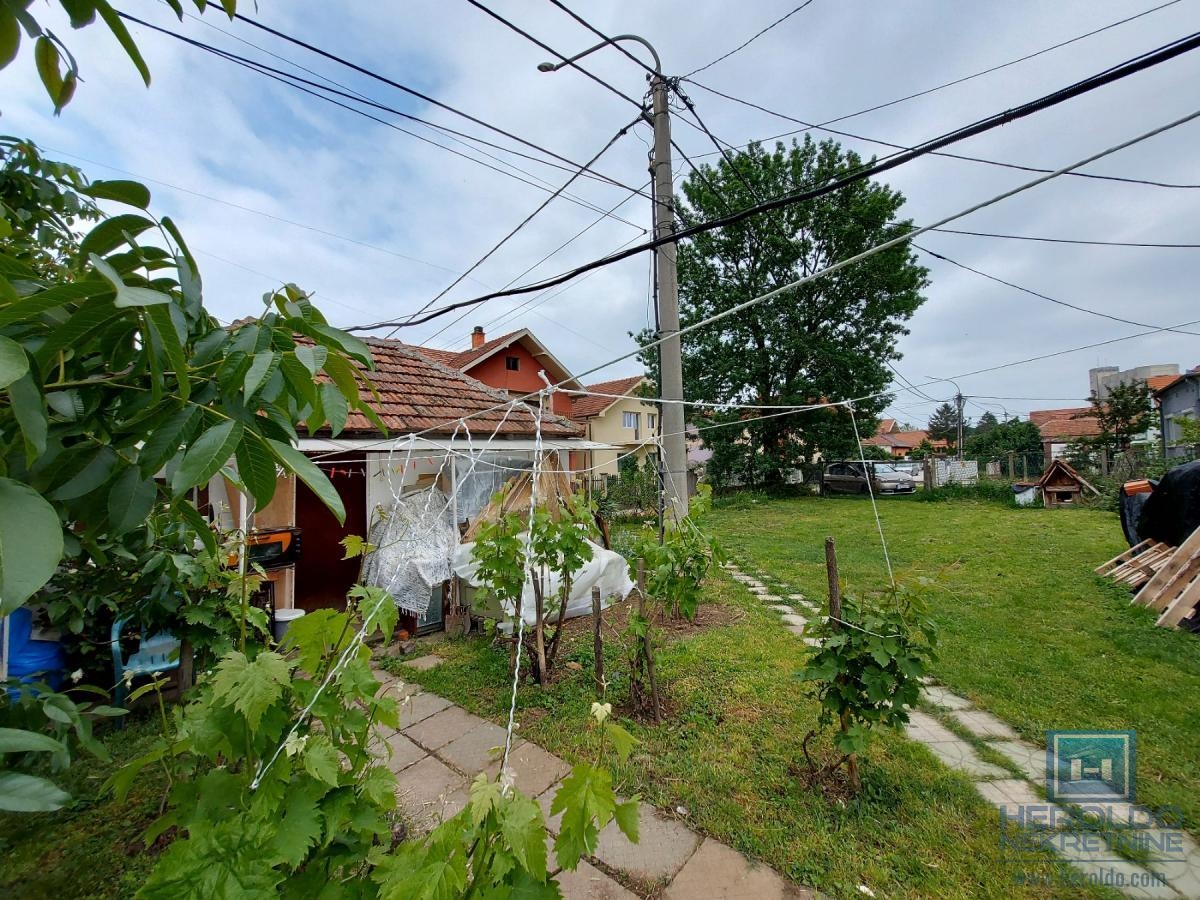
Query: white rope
point(874, 506)
point(506, 774)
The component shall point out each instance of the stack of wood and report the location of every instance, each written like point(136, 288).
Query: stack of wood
point(1138, 564)
point(553, 493)
point(1174, 589)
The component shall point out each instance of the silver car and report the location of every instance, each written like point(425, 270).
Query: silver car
point(851, 478)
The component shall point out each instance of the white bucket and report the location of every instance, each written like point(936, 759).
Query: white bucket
point(284, 618)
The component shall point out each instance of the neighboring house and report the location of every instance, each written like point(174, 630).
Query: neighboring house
point(888, 426)
point(621, 418)
point(509, 363)
point(901, 444)
point(1103, 379)
point(1177, 399)
point(368, 470)
point(1062, 427)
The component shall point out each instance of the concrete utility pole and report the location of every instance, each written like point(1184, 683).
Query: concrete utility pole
point(958, 403)
point(672, 420)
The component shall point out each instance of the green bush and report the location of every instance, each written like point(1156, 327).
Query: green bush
point(992, 491)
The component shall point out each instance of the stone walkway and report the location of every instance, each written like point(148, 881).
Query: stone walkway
point(1018, 798)
point(440, 748)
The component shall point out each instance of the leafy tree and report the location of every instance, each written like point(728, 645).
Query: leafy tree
point(1189, 432)
point(1125, 413)
point(923, 450)
point(870, 451)
point(828, 339)
point(943, 424)
point(986, 423)
point(1018, 437)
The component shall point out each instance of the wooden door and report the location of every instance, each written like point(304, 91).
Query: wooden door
point(322, 576)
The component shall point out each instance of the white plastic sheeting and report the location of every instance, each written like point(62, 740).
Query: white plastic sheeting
point(414, 543)
point(606, 569)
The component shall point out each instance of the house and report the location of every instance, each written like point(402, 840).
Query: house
point(1062, 427)
point(1177, 399)
point(614, 413)
point(510, 363)
point(1061, 485)
point(369, 470)
point(1103, 379)
point(901, 444)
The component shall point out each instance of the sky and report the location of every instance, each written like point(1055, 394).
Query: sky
point(270, 185)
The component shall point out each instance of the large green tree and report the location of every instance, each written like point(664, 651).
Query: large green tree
point(1016, 436)
point(826, 340)
point(1125, 413)
point(943, 424)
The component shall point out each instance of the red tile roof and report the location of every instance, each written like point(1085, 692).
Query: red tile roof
point(463, 360)
point(418, 393)
point(905, 440)
point(887, 426)
point(1081, 426)
point(1158, 382)
point(588, 407)
point(1040, 417)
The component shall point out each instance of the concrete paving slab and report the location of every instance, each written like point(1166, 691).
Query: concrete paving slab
point(544, 799)
point(718, 872)
point(428, 791)
point(793, 619)
point(423, 663)
point(589, 883)
point(940, 696)
point(1094, 859)
point(811, 642)
point(985, 725)
point(1029, 758)
point(782, 608)
point(664, 846)
point(1007, 794)
point(535, 771)
point(928, 730)
point(443, 727)
point(961, 756)
point(797, 630)
point(796, 597)
point(421, 706)
point(475, 750)
point(397, 752)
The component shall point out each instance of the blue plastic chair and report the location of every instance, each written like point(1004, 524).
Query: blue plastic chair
point(157, 653)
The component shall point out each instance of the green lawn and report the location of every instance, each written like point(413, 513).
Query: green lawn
point(92, 848)
point(730, 752)
point(1029, 632)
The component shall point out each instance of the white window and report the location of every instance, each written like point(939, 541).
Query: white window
point(631, 420)
point(651, 421)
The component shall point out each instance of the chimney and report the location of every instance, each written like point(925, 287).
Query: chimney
point(478, 337)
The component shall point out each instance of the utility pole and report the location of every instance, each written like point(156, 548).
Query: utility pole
point(670, 367)
point(958, 403)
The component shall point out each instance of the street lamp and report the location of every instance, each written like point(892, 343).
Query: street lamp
point(670, 356)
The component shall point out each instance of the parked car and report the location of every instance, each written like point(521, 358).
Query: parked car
point(851, 478)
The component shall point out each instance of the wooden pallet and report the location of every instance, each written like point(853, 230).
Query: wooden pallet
point(1137, 565)
point(1174, 590)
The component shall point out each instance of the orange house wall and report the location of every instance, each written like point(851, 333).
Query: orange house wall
point(493, 372)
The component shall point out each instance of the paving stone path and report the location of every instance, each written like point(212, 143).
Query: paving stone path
point(439, 748)
point(1016, 798)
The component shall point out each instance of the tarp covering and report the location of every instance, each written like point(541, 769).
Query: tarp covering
point(1172, 511)
point(606, 569)
point(413, 544)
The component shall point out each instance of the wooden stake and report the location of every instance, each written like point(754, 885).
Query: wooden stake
point(598, 642)
point(647, 644)
point(835, 614)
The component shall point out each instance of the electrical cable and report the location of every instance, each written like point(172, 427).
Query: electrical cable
point(1038, 294)
point(1051, 240)
point(315, 89)
point(810, 126)
point(529, 218)
point(1138, 64)
point(1011, 62)
point(362, 70)
point(750, 40)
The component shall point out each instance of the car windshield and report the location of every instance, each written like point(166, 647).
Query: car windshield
point(886, 469)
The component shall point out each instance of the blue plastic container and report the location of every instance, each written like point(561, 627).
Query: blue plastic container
point(30, 660)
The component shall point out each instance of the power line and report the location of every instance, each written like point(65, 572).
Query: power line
point(418, 94)
point(323, 92)
point(746, 43)
point(1140, 63)
point(810, 126)
point(1038, 294)
point(1052, 240)
point(1011, 62)
point(529, 218)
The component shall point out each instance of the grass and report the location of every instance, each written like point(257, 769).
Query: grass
point(1028, 631)
point(92, 848)
point(729, 756)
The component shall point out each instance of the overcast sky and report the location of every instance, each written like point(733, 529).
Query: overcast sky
point(379, 222)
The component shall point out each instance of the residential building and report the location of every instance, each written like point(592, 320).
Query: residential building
point(416, 394)
point(1103, 379)
point(901, 444)
point(1177, 399)
point(615, 413)
point(510, 363)
point(1062, 427)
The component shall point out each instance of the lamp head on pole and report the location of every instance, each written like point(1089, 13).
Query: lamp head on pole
point(546, 67)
